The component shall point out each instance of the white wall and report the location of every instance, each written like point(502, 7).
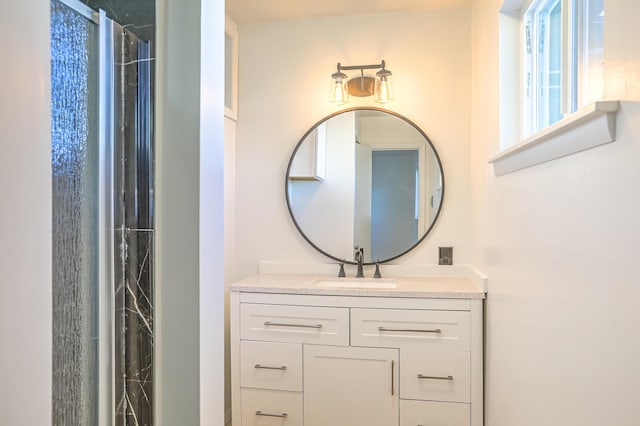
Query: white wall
point(362, 204)
point(330, 201)
point(284, 88)
point(229, 240)
point(25, 214)
point(387, 131)
point(189, 311)
point(211, 215)
point(559, 242)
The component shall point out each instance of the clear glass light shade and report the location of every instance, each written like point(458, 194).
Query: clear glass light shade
point(384, 88)
point(339, 91)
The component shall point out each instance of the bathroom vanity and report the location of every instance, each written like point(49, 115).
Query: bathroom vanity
point(322, 351)
point(316, 350)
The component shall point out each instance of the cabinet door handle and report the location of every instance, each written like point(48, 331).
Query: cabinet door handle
point(260, 413)
point(420, 376)
point(410, 330)
point(282, 324)
point(267, 367)
point(393, 364)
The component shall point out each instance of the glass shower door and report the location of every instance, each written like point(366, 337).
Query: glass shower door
point(75, 215)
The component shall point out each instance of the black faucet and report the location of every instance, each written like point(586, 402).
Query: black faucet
point(360, 260)
point(341, 273)
point(377, 274)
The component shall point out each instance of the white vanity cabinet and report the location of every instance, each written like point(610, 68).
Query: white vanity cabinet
point(343, 360)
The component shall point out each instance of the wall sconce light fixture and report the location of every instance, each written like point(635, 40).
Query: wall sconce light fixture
point(380, 86)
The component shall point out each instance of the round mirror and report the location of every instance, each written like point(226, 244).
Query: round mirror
point(364, 179)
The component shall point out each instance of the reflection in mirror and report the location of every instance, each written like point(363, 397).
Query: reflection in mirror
point(364, 178)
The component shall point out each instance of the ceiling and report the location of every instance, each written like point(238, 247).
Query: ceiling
point(251, 11)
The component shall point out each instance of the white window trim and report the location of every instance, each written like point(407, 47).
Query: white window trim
point(587, 128)
point(231, 30)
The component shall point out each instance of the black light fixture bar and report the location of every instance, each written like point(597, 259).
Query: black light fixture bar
point(361, 67)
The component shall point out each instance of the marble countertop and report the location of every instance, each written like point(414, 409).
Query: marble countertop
point(432, 287)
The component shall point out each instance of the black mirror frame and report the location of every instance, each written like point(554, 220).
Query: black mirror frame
point(295, 150)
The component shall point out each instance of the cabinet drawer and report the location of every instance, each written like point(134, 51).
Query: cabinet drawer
point(394, 328)
point(435, 376)
point(427, 413)
point(271, 408)
point(270, 365)
point(294, 324)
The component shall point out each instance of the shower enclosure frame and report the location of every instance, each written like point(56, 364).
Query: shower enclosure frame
point(114, 130)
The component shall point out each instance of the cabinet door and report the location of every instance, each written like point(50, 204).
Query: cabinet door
point(350, 386)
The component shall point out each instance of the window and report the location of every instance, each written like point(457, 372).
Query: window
point(230, 69)
point(562, 59)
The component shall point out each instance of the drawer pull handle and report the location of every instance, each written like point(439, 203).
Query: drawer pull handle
point(409, 330)
point(267, 367)
point(282, 324)
point(260, 413)
point(420, 376)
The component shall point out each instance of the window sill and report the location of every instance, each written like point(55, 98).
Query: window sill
point(587, 128)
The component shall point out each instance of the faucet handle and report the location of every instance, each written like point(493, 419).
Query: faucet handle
point(377, 273)
point(341, 274)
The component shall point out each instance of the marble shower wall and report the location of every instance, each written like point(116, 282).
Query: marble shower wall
point(137, 16)
point(133, 233)
point(133, 216)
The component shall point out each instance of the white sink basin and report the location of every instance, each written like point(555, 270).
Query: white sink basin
point(356, 283)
